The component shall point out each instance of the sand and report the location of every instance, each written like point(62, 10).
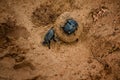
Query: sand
point(94, 56)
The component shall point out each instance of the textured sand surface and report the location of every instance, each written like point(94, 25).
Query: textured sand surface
point(95, 56)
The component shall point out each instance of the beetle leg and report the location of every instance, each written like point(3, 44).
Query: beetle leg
point(43, 42)
point(54, 39)
point(77, 40)
point(76, 28)
point(61, 26)
point(74, 33)
point(49, 44)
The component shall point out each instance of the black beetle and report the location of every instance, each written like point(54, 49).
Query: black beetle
point(70, 26)
point(50, 35)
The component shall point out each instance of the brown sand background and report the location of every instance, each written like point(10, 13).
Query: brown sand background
point(23, 24)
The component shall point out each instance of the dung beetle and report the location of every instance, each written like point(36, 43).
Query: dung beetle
point(70, 26)
point(50, 35)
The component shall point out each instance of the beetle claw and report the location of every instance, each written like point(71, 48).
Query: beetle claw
point(49, 46)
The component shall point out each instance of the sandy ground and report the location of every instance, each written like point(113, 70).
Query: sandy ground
point(95, 56)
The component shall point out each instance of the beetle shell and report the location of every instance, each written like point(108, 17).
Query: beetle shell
point(70, 26)
point(48, 37)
